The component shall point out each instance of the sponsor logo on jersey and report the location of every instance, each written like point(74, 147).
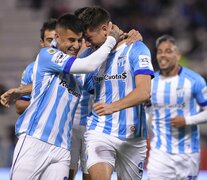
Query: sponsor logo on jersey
point(70, 90)
point(106, 77)
point(51, 51)
point(144, 61)
point(168, 106)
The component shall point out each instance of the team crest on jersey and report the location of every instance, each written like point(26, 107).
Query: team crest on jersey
point(121, 61)
point(180, 92)
point(59, 58)
point(144, 61)
point(51, 51)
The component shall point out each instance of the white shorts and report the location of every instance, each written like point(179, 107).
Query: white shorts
point(34, 159)
point(125, 156)
point(165, 166)
point(78, 148)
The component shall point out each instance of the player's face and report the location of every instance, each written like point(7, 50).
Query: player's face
point(96, 37)
point(167, 57)
point(68, 41)
point(48, 37)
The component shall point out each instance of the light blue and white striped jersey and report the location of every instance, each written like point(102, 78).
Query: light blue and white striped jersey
point(54, 99)
point(171, 96)
point(27, 78)
point(114, 80)
point(84, 106)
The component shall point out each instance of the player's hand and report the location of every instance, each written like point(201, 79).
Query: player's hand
point(114, 31)
point(9, 97)
point(133, 36)
point(102, 108)
point(178, 122)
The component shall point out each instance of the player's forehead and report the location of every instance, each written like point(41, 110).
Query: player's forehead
point(49, 33)
point(166, 45)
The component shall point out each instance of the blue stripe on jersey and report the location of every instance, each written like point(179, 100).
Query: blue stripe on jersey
point(180, 101)
point(69, 64)
point(195, 138)
point(121, 84)
point(108, 94)
point(168, 115)
point(51, 119)
point(69, 135)
point(84, 111)
point(59, 138)
point(154, 99)
point(195, 132)
point(97, 92)
point(40, 107)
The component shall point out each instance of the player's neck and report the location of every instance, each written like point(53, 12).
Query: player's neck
point(118, 44)
point(172, 72)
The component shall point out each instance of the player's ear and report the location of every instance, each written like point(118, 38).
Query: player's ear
point(104, 28)
point(57, 36)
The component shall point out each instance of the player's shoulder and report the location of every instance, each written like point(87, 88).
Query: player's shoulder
point(30, 66)
point(140, 46)
point(49, 51)
point(86, 52)
point(190, 74)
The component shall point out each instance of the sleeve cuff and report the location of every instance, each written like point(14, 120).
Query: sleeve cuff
point(69, 64)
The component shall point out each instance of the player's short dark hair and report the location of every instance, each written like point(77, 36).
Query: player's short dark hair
point(165, 38)
point(48, 25)
point(79, 11)
point(94, 16)
point(71, 22)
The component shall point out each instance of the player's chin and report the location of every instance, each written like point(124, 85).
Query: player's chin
point(72, 53)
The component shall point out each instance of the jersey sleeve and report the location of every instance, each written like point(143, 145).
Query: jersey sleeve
point(201, 91)
point(140, 59)
point(27, 78)
point(51, 60)
point(27, 75)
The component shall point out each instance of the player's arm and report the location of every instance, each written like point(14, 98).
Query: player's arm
point(138, 96)
point(93, 61)
point(21, 105)
point(15, 93)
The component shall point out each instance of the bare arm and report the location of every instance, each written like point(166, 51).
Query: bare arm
point(139, 95)
point(21, 105)
point(15, 93)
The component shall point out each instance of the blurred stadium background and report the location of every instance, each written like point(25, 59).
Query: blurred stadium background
point(20, 21)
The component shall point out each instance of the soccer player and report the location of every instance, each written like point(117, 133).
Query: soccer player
point(47, 34)
point(42, 151)
point(117, 141)
point(177, 97)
